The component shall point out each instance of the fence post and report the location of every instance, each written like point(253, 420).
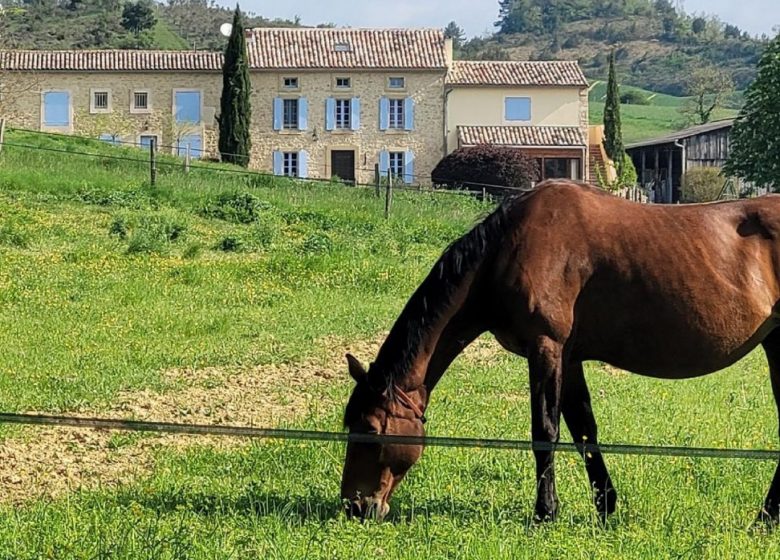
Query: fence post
point(187, 159)
point(388, 193)
point(152, 161)
point(2, 133)
point(376, 178)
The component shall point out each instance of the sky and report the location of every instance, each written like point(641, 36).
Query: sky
point(476, 16)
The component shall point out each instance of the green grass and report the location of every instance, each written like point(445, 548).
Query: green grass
point(85, 317)
point(642, 122)
point(166, 39)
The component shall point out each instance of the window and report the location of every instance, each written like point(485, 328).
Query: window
point(99, 101)
point(290, 117)
point(145, 141)
point(396, 114)
point(110, 138)
point(187, 105)
point(140, 101)
point(397, 164)
point(193, 141)
point(396, 82)
point(290, 164)
point(290, 83)
point(343, 83)
point(517, 108)
point(56, 108)
point(342, 47)
point(343, 114)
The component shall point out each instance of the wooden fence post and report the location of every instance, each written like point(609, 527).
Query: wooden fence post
point(388, 193)
point(187, 159)
point(377, 178)
point(152, 161)
point(2, 133)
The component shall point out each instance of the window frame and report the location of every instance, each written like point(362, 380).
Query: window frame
point(93, 107)
point(400, 117)
point(155, 135)
point(342, 118)
point(294, 87)
point(342, 87)
point(524, 98)
point(134, 109)
point(294, 117)
point(400, 157)
point(390, 87)
point(200, 109)
point(291, 165)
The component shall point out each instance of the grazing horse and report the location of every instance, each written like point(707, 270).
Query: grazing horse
point(562, 274)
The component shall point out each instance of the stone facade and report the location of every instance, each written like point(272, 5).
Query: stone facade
point(25, 110)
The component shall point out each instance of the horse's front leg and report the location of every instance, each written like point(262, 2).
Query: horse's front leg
point(545, 366)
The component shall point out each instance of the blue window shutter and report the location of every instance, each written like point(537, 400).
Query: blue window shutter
point(187, 107)
point(303, 113)
point(384, 162)
point(56, 108)
point(303, 164)
point(106, 137)
point(278, 109)
point(330, 113)
point(409, 167)
point(195, 143)
point(355, 110)
point(408, 113)
point(278, 163)
point(384, 113)
point(517, 108)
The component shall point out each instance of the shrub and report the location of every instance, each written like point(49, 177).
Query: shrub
point(317, 244)
point(12, 234)
point(231, 244)
point(634, 97)
point(702, 184)
point(154, 231)
point(236, 207)
point(471, 168)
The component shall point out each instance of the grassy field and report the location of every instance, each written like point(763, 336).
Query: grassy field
point(641, 122)
point(116, 297)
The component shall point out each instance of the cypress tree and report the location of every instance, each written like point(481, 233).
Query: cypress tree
point(613, 136)
point(235, 110)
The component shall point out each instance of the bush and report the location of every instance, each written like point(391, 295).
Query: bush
point(634, 97)
point(236, 207)
point(317, 244)
point(231, 244)
point(471, 168)
point(702, 184)
point(153, 232)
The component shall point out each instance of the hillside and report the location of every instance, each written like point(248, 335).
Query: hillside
point(657, 46)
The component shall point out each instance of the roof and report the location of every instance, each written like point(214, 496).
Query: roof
point(522, 136)
point(685, 133)
point(285, 48)
point(111, 60)
point(516, 73)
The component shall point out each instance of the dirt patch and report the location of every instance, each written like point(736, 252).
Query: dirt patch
point(47, 462)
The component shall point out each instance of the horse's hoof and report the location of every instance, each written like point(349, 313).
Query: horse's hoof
point(767, 519)
point(605, 502)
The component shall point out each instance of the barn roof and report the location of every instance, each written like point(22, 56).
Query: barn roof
point(685, 133)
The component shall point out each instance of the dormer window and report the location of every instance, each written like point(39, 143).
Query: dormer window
point(342, 47)
point(290, 83)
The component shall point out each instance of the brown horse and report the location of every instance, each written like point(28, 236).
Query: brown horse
point(563, 274)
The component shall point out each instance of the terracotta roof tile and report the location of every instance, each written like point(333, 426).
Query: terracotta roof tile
point(346, 48)
point(525, 136)
point(516, 73)
point(111, 60)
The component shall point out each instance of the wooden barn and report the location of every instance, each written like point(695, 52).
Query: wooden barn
point(661, 162)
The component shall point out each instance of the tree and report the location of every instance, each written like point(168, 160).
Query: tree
point(138, 16)
point(455, 32)
point(235, 110)
point(755, 137)
point(698, 25)
point(613, 134)
point(707, 88)
point(475, 167)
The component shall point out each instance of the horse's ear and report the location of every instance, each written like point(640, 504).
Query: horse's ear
point(356, 369)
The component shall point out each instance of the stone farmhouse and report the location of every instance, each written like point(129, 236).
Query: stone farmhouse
point(325, 102)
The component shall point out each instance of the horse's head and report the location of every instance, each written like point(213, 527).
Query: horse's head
point(372, 471)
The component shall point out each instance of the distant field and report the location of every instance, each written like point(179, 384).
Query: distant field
point(219, 299)
point(640, 122)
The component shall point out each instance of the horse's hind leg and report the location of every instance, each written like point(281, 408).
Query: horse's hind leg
point(770, 513)
point(578, 414)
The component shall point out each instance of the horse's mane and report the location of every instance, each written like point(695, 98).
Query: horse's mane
point(435, 294)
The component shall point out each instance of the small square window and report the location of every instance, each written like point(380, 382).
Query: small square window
point(141, 100)
point(517, 109)
point(396, 82)
point(100, 100)
point(343, 83)
point(290, 83)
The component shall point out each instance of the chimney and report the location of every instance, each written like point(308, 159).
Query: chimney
point(448, 50)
